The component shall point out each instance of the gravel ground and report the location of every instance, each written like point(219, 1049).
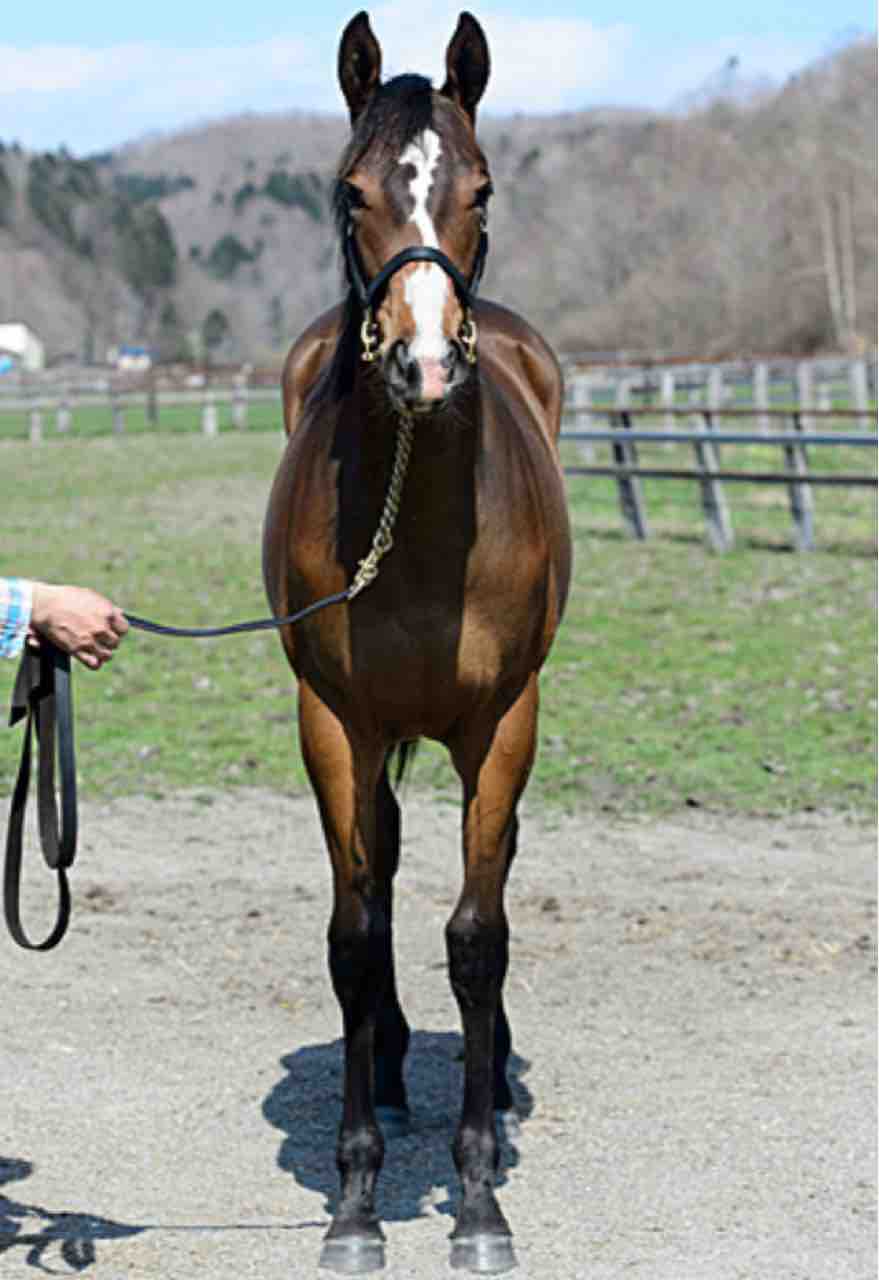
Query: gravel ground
point(693, 1009)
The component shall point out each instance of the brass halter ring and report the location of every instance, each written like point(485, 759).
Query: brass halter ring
point(467, 336)
point(370, 336)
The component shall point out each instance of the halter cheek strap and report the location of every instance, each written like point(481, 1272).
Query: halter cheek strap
point(370, 292)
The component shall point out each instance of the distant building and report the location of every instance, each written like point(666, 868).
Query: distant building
point(20, 348)
point(130, 358)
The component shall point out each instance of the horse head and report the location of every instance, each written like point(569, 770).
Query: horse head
point(411, 200)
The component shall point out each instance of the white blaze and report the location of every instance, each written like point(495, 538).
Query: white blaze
point(426, 286)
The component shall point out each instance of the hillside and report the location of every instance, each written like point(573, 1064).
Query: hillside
point(731, 226)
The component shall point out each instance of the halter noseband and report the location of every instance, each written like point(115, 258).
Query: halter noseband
point(370, 292)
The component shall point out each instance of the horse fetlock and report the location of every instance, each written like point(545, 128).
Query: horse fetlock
point(359, 1157)
point(476, 1154)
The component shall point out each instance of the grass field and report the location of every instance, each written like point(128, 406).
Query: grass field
point(744, 682)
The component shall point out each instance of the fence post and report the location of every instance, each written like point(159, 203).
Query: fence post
point(714, 406)
point(667, 399)
point(625, 454)
point(209, 414)
point(857, 380)
point(761, 395)
point(718, 525)
point(36, 425)
point(805, 392)
point(152, 403)
point(801, 503)
point(239, 401)
point(715, 387)
point(118, 411)
point(63, 416)
point(581, 401)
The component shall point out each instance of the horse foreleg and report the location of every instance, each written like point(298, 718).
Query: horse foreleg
point(345, 778)
point(391, 1030)
point(494, 763)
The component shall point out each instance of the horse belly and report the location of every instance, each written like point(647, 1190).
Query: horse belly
point(425, 678)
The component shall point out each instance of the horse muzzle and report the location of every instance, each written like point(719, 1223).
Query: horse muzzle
point(416, 382)
point(420, 384)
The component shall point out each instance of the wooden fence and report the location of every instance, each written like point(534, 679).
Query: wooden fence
point(819, 383)
point(47, 407)
point(706, 441)
point(816, 393)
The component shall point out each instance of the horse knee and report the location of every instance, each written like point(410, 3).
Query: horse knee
point(477, 952)
point(360, 950)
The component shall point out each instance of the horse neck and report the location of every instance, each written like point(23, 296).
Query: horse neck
point(438, 493)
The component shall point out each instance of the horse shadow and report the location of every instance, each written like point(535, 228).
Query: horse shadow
point(418, 1169)
point(37, 1230)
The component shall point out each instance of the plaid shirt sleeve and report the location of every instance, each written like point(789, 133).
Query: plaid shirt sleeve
point(15, 615)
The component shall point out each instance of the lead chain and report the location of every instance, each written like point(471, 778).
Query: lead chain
point(383, 540)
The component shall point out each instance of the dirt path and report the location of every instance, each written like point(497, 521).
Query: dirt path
point(692, 1004)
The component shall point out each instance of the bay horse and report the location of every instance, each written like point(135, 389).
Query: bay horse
point(412, 405)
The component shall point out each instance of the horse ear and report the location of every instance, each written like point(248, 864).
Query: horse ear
point(360, 63)
point(467, 65)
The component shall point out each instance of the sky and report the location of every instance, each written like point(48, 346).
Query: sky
point(94, 75)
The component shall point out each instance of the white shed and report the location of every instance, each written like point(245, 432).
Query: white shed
point(25, 348)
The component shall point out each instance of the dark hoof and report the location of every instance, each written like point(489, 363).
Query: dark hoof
point(352, 1255)
point(394, 1122)
point(486, 1255)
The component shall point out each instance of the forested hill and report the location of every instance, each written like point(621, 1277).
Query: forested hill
point(733, 227)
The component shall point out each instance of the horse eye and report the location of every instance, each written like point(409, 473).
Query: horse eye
point(354, 197)
point(482, 196)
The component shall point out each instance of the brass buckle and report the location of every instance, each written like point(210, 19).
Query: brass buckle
point(467, 336)
point(370, 338)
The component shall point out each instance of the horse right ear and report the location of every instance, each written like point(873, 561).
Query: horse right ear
point(360, 64)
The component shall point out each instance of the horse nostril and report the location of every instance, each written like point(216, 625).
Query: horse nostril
point(402, 369)
point(454, 355)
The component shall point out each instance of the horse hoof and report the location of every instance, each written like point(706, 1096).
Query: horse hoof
point(486, 1255)
point(394, 1122)
point(507, 1125)
point(352, 1255)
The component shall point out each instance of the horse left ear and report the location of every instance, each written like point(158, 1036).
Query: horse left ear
point(467, 65)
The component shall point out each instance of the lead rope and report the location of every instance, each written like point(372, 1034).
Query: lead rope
point(383, 538)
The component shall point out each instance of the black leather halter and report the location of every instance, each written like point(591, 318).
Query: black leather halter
point(370, 292)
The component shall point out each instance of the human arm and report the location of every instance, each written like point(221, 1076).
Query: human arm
point(76, 619)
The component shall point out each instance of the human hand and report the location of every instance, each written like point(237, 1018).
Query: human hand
point(77, 620)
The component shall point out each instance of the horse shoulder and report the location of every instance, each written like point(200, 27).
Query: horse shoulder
point(523, 366)
point(518, 353)
point(306, 361)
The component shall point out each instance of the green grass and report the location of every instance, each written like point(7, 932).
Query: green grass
point(744, 682)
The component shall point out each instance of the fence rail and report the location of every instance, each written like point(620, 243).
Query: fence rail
point(816, 383)
point(706, 442)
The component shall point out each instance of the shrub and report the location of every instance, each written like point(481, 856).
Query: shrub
point(138, 187)
point(227, 256)
point(298, 190)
